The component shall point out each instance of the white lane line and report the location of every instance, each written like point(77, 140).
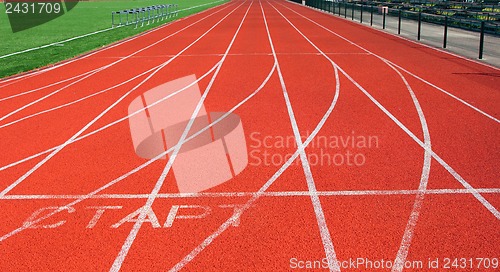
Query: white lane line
point(46, 86)
point(448, 168)
point(251, 194)
point(55, 92)
point(85, 98)
point(46, 69)
point(76, 100)
point(255, 196)
point(401, 68)
point(448, 93)
point(117, 264)
point(39, 164)
point(253, 54)
point(105, 67)
point(144, 165)
point(112, 123)
point(328, 246)
point(424, 179)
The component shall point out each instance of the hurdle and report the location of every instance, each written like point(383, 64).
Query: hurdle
point(144, 15)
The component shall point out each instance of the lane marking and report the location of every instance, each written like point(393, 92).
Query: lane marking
point(264, 194)
point(142, 166)
point(105, 67)
point(117, 264)
point(328, 246)
point(424, 179)
point(46, 69)
point(59, 148)
point(236, 216)
point(110, 124)
point(448, 168)
point(86, 35)
point(406, 71)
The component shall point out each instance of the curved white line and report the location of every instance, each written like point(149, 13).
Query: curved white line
point(53, 153)
point(117, 264)
point(424, 178)
point(104, 68)
point(146, 164)
point(318, 210)
point(236, 216)
point(399, 67)
point(448, 168)
point(44, 87)
point(112, 123)
point(142, 166)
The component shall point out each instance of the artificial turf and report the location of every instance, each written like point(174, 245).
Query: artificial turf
point(85, 17)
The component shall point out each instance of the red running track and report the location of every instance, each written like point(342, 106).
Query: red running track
point(366, 152)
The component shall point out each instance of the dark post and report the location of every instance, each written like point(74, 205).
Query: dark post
point(345, 9)
point(371, 15)
point(361, 15)
point(352, 11)
point(383, 18)
point(481, 40)
point(419, 24)
point(399, 22)
point(445, 37)
point(339, 10)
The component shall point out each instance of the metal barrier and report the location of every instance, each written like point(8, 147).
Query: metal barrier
point(398, 16)
point(144, 15)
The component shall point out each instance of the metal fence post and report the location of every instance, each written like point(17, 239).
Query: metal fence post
point(361, 15)
point(419, 25)
point(481, 40)
point(371, 15)
point(352, 11)
point(399, 22)
point(345, 9)
point(445, 36)
point(383, 18)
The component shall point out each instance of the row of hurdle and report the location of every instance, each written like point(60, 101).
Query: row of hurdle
point(141, 16)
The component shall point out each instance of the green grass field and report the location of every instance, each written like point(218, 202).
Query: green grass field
point(85, 18)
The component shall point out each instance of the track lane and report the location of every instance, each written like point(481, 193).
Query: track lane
point(261, 233)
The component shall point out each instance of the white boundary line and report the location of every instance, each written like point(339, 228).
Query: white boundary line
point(388, 61)
point(106, 67)
point(328, 246)
point(46, 86)
point(424, 179)
point(117, 264)
point(59, 42)
point(264, 194)
point(142, 166)
point(448, 168)
point(255, 196)
point(59, 148)
point(112, 123)
point(149, 162)
point(99, 50)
